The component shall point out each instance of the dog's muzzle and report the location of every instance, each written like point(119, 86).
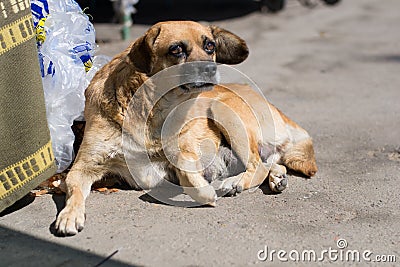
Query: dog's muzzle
point(199, 76)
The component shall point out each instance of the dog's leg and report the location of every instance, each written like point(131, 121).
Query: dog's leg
point(88, 168)
point(241, 131)
point(298, 154)
point(78, 185)
point(254, 176)
point(191, 178)
point(256, 171)
point(277, 179)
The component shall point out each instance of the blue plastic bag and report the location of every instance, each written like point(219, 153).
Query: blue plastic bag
point(66, 47)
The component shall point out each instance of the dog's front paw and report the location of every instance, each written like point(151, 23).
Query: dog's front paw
point(204, 195)
point(70, 221)
point(231, 186)
point(278, 180)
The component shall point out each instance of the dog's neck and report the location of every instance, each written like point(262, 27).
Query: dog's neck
point(164, 106)
point(146, 120)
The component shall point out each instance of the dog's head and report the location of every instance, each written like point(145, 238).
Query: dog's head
point(175, 42)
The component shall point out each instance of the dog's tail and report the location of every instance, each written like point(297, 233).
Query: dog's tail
point(301, 158)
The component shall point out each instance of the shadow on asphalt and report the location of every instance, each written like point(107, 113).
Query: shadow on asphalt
point(59, 200)
point(20, 249)
point(23, 202)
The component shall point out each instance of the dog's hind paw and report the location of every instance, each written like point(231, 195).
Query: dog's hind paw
point(278, 184)
point(70, 221)
point(231, 186)
point(278, 180)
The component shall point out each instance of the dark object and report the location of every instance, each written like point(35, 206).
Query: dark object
point(331, 2)
point(273, 5)
point(78, 128)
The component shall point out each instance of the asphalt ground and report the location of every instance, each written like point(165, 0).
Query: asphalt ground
point(335, 71)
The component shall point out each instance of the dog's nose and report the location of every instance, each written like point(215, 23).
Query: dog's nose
point(210, 68)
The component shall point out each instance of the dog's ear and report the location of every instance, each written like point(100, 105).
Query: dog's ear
point(231, 49)
point(141, 53)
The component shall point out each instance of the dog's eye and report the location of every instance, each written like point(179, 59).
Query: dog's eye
point(209, 47)
point(176, 50)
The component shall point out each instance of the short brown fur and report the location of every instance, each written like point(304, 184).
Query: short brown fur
point(110, 92)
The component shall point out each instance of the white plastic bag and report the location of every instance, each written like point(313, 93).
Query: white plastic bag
point(66, 46)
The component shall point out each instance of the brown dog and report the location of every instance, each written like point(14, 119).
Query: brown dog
point(230, 115)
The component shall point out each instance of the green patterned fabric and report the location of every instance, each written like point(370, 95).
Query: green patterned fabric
point(26, 157)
